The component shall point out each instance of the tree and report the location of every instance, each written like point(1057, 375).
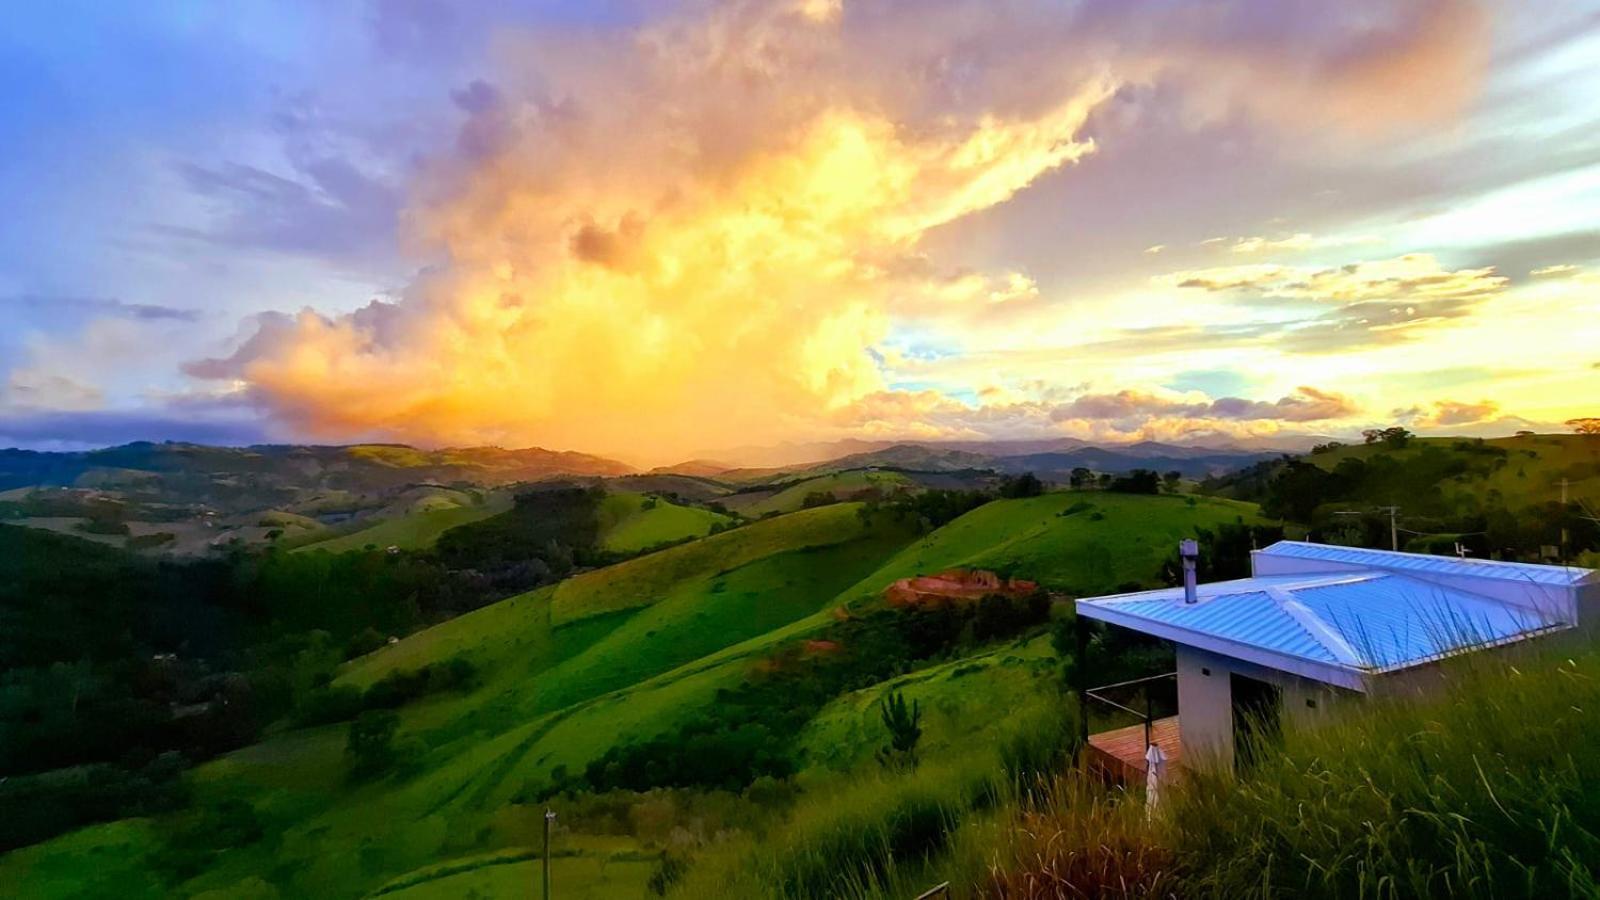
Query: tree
point(814, 499)
point(1171, 479)
point(1589, 426)
point(1138, 481)
point(1080, 477)
point(370, 746)
point(1395, 438)
point(1025, 485)
point(905, 729)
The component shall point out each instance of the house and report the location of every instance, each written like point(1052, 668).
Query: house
point(1312, 627)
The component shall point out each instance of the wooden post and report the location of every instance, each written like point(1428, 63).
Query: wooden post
point(1147, 719)
point(549, 816)
point(1080, 671)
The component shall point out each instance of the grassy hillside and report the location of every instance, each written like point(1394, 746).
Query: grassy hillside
point(840, 486)
point(1532, 472)
point(612, 657)
point(630, 522)
point(640, 582)
point(419, 528)
point(1075, 543)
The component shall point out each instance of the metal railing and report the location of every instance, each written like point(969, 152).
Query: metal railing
point(1147, 715)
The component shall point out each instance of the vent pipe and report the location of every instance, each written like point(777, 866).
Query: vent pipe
point(1189, 550)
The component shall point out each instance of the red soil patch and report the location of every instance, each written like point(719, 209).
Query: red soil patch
point(819, 648)
point(955, 586)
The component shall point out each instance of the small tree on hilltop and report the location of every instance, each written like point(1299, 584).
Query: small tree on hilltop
point(1395, 438)
point(1025, 485)
point(905, 729)
point(1586, 426)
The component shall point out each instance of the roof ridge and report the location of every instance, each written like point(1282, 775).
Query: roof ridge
point(1319, 630)
point(1505, 567)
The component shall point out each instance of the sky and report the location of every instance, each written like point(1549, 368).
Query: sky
point(654, 230)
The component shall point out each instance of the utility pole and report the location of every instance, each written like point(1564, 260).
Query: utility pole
point(549, 817)
point(1394, 526)
point(1394, 522)
point(1564, 483)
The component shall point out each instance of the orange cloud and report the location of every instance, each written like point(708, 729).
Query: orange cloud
point(699, 233)
point(1448, 413)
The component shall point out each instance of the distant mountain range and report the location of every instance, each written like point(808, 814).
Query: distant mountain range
point(270, 475)
point(276, 475)
point(793, 455)
point(1054, 464)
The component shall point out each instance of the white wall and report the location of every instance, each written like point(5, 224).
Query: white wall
point(1205, 709)
point(1205, 702)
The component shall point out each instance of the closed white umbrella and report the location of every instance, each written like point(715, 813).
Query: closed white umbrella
point(1155, 772)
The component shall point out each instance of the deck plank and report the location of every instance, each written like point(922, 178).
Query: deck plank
point(1120, 752)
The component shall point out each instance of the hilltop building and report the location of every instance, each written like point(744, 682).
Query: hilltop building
point(1313, 626)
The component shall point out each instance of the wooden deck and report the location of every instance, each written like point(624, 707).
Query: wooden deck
point(1119, 753)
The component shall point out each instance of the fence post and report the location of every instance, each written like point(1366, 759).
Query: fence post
point(1147, 717)
point(1080, 671)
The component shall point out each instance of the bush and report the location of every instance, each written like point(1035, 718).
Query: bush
point(363, 642)
point(38, 807)
point(1025, 485)
point(150, 541)
point(331, 704)
point(1138, 481)
point(370, 747)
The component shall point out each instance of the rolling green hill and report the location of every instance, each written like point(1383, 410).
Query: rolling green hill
point(1074, 543)
point(839, 485)
point(419, 528)
point(607, 658)
point(1533, 466)
point(640, 582)
point(631, 522)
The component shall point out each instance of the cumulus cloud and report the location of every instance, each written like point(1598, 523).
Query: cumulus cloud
point(1306, 404)
point(1448, 413)
point(1299, 241)
point(699, 231)
point(1029, 411)
point(1557, 271)
point(1294, 243)
point(1375, 302)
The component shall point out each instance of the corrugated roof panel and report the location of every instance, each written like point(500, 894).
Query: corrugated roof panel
point(1441, 565)
point(1247, 617)
point(1393, 620)
point(1356, 620)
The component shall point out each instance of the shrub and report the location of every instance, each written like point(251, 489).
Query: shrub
point(1025, 485)
point(339, 703)
point(904, 725)
point(370, 747)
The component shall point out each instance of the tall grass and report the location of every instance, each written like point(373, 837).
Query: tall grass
point(1486, 787)
point(881, 832)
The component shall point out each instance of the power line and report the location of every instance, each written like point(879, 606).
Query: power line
point(1394, 522)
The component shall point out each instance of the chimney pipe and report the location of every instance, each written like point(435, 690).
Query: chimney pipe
point(1189, 550)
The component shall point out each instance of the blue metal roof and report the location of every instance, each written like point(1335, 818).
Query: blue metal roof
point(1248, 616)
point(1533, 573)
point(1332, 626)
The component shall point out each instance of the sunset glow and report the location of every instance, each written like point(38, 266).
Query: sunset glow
point(657, 231)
